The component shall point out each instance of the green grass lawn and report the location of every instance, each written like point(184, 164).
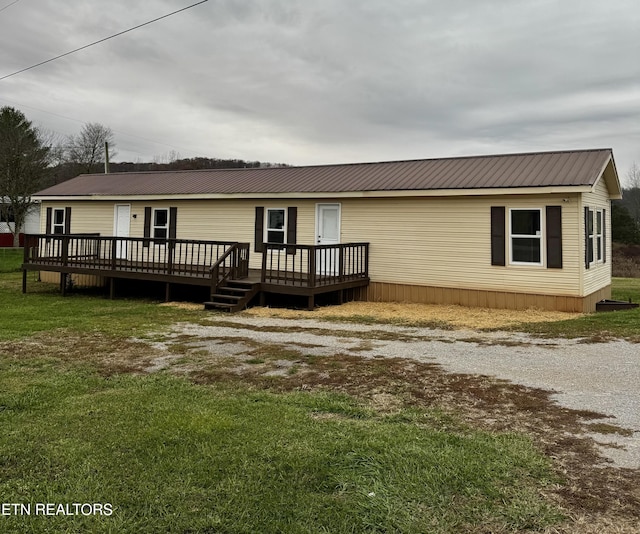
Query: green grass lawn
point(602, 325)
point(43, 309)
point(10, 259)
point(173, 456)
point(170, 456)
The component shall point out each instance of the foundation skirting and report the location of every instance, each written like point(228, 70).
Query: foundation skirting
point(386, 292)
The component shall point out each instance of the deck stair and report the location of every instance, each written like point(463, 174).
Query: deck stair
point(233, 296)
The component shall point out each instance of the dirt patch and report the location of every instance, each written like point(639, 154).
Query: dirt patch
point(419, 314)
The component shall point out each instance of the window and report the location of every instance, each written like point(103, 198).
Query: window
point(58, 221)
point(595, 237)
point(598, 236)
point(589, 236)
point(6, 213)
point(276, 226)
point(525, 236)
point(160, 228)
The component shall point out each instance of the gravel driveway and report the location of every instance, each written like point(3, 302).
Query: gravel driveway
point(602, 377)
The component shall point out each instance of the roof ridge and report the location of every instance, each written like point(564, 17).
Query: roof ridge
point(364, 163)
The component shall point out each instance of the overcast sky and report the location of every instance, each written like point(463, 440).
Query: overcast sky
point(331, 81)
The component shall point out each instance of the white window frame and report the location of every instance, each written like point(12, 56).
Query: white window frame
point(55, 225)
point(539, 236)
point(283, 229)
point(598, 237)
point(155, 227)
point(595, 237)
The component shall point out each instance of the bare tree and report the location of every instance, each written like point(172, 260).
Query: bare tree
point(24, 162)
point(87, 149)
point(633, 176)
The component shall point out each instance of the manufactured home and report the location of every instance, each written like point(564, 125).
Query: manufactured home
point(506, 231)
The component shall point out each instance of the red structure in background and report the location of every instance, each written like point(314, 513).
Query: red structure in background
point(6, 240)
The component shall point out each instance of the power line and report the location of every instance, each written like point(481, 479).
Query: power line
point(100, 41)
point(9, 5)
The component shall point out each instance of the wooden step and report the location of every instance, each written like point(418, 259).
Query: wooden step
point(234, 296)
point(218, 306)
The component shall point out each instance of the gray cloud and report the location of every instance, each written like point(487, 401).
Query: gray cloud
point(320, 82)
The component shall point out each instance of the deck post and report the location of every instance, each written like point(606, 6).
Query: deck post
point(24, 280)
point(263, 274)
point(63, 284)
point(167, 292)
point(65, 250)
point(311, 280)
point(112, 288)
point(114, 253)
point(311, 301)
point(170, 245)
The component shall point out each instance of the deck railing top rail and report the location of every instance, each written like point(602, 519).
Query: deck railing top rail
point(313, 266)
point(174, 257)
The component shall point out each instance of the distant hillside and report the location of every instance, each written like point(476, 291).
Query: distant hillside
point(192, 164)
point(66, 171)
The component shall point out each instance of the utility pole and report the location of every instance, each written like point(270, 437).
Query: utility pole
point(106, 157)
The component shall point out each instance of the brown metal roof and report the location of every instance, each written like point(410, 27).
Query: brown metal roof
point(543, 169)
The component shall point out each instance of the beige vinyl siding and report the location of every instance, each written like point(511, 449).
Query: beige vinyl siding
point(215, 220)
point(446, 242)
point(599, 274)
point(430, 241)
point(86, 216)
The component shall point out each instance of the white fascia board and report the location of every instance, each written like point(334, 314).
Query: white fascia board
point(322, 195)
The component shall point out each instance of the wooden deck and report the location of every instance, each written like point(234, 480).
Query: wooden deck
point(306, 270)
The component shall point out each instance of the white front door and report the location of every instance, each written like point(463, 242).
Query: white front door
point(328, 232)
point(121, 223)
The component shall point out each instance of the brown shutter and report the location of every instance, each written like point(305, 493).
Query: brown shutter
point(498, 235)
point(49, 225)
point(554, 237)
point(292, 228)
point(67, 220)
point(49, 228)
point(147, 226)
point(259, 229)
point(173, 218)
point(604, 236)
point(587, 241)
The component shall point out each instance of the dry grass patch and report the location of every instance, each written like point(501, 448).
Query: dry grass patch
point(420, 314)
point(182, 305)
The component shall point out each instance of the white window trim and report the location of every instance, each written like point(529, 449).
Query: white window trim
point(598, 251)
point(527, 236)
point(154, 226)
point(284, 227)
point(53, 220)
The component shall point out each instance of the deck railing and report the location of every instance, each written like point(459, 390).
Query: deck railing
point(313, 266)
point(178, 257)
point(233, 264)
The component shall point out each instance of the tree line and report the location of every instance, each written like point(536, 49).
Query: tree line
point(32, 159)
point(625, 213)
